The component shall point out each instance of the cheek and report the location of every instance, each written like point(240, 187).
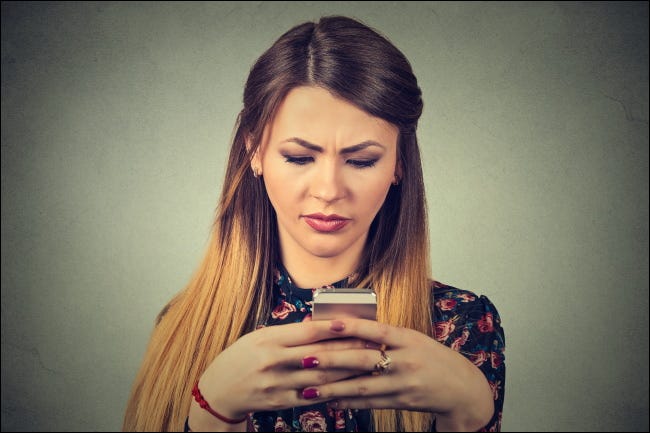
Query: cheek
point(281, 189)
point(372, 195)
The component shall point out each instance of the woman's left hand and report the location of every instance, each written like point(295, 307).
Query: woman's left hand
point(422, 375)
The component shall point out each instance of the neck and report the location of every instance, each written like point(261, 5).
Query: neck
point(309, 271)
point(317, 272)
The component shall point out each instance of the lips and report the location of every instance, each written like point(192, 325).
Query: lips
point(326, 223)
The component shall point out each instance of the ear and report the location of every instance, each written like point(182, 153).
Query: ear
point(398, 172)
point(256, 159)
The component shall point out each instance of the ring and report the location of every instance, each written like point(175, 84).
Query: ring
point(383, 365)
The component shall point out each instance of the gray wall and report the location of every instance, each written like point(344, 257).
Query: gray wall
point(115, 124)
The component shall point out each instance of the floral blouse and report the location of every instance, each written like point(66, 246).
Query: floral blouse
point(467, 323)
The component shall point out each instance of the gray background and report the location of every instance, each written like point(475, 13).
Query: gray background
point(115, 125)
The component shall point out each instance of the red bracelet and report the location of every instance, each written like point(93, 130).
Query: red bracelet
point(204, 404)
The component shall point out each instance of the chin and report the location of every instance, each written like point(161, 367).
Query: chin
point(326, 251)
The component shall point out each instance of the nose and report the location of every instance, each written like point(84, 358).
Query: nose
point(328, 183)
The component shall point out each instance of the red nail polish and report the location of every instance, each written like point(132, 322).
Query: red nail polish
point(309, 362)
point(337, 325)
point(310, 393)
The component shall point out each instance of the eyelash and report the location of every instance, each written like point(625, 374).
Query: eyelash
point(357, 163)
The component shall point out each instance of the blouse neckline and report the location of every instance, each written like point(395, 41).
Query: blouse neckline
point(290, 291)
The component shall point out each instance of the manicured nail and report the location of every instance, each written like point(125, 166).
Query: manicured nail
point(309, 362)
point(337, 325)
point(373, 345)
point(310, 393)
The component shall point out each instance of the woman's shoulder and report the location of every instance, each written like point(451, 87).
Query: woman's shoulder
point(455, 309)
point(454, 299)
point(446, 296)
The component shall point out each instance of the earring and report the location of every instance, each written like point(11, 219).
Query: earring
point(396, 181)
point(256, 172)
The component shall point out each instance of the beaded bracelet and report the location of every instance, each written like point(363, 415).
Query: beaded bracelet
point(204, 405)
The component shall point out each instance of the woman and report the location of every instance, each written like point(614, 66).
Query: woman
point(323, 187)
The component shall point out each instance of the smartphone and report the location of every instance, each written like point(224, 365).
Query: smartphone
point(333, 303)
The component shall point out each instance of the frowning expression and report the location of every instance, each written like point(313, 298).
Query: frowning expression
point(327, 166)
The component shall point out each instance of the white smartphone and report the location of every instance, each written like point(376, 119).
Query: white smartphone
point(333, 303)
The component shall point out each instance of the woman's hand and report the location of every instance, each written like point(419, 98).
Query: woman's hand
point(423, 375)
point(268, 369)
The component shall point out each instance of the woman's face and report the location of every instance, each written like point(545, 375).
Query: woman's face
point(327, 167)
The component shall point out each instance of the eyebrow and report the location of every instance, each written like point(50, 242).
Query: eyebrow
point(345, 150)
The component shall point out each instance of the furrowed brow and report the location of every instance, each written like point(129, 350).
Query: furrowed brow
point(303, 143)
point(351, 149)
point(361, 146)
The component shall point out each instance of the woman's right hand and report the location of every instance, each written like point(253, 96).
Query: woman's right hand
point(268, 369)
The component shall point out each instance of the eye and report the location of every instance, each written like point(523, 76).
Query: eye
point(362, 163)
point(298, 160)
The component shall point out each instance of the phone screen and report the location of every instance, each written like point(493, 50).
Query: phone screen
point(333, 303)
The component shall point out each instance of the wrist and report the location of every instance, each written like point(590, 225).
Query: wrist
point(201, 420)
point(207, 413)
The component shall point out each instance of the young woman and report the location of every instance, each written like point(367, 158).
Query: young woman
point(323, 188)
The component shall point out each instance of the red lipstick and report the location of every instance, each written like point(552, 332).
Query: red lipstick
point(326, 223)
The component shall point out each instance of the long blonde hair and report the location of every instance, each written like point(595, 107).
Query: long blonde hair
point(230, 292)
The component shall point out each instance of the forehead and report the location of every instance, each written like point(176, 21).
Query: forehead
point(314, 113)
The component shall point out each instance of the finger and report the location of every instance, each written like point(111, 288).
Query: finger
point(298, 388)
point(278, 399)
point(316, 377)
point(372, 330)
point(328, 345)
point(295, 357)
point(358, 389)
point(361, 387)
point(353, 359)
point(375, 402)
point(301, 333)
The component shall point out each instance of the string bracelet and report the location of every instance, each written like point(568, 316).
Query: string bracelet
point(204, 405)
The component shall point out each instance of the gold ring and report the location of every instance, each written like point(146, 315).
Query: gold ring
point(383, 365)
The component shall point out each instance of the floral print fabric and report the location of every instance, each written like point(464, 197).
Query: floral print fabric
point(467, 323)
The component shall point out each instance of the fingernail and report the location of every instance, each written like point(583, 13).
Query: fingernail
point(337, 325)
point(333, 404)
point(310, 393)
point(372, 345)
point(309, 362)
